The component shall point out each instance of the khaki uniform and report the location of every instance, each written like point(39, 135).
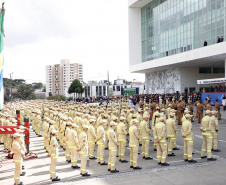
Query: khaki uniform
point(121, 130)
point(214, 130)
point(206, 125)
point(83, 147)
point(180, 109)
point(209, 107)
point(186, 131)
point(145, 136)
point(171, 134)
point(73, 146)
point(112, 149)
point(133, 144)
point(100, 143)
point(39, 124)
point(91, 140)
point(67, 151)
point(218, 108)
point(45, 133)
point(17, 157)
point(160, 133)
point(200, 108)
point(54, 156)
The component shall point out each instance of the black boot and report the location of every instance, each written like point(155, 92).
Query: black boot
point(171, 155)
point(217, 150)
point(75, 167)
point(192, 161)
point(124, 161)
point(56, 179)
point(23, 173)
point(137, 168)
point(114, 171)
point(165, 164)
point(86, 174)
point(104, 163)
point(148, 158)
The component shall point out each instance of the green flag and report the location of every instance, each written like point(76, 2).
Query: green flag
point(1, 55)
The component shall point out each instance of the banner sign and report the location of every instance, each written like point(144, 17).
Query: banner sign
point(130, 91)
point(212, 81)
point(213, 97)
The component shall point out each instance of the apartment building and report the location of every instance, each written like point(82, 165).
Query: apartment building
point(60, 76)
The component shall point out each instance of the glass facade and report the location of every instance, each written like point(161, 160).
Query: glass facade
point(170, 27)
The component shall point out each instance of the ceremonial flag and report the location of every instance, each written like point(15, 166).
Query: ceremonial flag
point(1, 56)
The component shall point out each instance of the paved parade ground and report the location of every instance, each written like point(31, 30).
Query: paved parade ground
point(179, 172)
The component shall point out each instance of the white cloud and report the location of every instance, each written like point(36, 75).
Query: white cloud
point(40, 32)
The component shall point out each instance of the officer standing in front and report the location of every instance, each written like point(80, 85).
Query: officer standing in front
point(18, 154)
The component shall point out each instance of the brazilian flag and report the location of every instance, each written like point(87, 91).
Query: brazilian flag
point(1, 56)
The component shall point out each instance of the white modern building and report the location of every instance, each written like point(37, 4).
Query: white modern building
point(60, 76)
point(166, 42)
point(94, 89)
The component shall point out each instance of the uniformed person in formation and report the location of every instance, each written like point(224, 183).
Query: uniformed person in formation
point(200, 108)
point(101, 142)
point(53, 152)
point(66, 141)
point(171, 133)
point(91, 139)
point(121, 130)
point(187, 134)
point(218, 109)
point(160, 137)
point(134, 144)
point(113, 144)
point(22, 143)
point(83, 149)
point(145, 136)
point(205, 128)
point(17, 157)
point(215, 129)
point(73, 146)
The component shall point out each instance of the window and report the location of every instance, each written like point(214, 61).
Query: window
point(113, 88)
point(118, 88)
point(205, 70)
point(218, 70)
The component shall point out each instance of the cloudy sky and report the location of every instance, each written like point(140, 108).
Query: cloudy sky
point(91, 32)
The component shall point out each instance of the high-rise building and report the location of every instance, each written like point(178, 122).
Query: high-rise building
point(166, 42)
point(60, 76)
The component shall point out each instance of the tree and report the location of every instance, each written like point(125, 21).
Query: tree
point(25, 92)
point(44, 89)
point(76, 87)
point(37, 85)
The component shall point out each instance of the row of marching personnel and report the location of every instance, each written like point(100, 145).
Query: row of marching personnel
point(79, 136)
point(78, 128)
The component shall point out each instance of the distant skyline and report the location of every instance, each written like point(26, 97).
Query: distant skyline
point(40, 33)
